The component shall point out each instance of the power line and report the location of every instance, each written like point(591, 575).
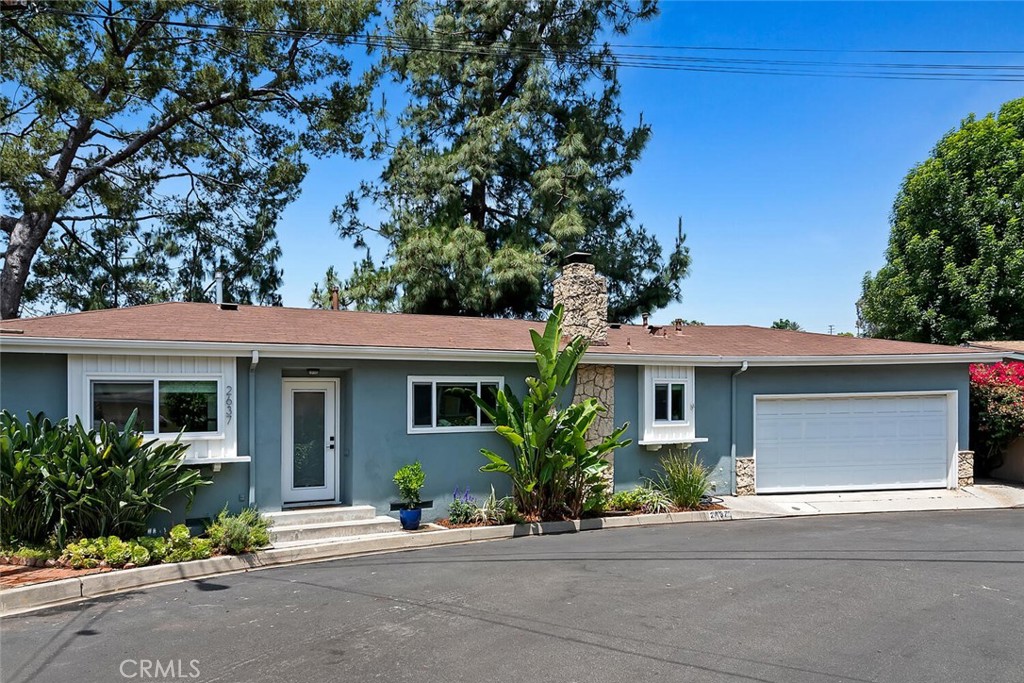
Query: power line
point(655, 62)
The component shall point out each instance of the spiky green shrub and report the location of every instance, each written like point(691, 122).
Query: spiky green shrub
point(241, 533)
point(68, 481)
point(554, 472)
point(115, 479)
point(683, 478)
point(28, 514)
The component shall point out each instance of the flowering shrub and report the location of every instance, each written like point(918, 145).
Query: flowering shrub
point(463, 508)
point(997, 409)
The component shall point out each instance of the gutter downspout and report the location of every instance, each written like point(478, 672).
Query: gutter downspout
point(252, 427)
point(732, 421)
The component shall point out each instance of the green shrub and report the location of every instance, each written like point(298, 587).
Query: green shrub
point(409, 480)
point(645, 499)
point(68, 481)
point(683, 479)
point(241, 533)
point(114, 480)
point(462, 509)
point(28, 513)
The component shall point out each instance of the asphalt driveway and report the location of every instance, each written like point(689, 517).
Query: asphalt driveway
point(926, 597)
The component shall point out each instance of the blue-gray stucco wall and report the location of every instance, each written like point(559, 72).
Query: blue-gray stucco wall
point(374, 438)
point(635, 464)
point(34, 382)
point(374, 441)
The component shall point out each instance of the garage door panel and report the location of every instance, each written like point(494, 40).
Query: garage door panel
point(832, 443)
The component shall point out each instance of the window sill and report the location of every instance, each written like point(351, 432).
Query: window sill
point(217, 461)
point(451, 430)
point(656, 444)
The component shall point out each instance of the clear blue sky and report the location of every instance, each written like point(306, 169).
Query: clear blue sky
point(784, 184)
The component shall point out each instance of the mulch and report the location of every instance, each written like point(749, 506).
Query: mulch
point(12, 575)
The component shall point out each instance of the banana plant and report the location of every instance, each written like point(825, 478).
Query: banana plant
point(553, 471)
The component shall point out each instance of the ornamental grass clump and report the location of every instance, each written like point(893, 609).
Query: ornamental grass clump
point(683, 478)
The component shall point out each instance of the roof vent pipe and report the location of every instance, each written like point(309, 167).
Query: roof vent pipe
point(218, 280)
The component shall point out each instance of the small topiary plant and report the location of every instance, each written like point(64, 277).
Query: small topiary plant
point(409, 480)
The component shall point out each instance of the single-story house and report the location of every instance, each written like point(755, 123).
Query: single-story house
point(289, 407)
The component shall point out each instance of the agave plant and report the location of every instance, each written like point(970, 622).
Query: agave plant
point(554, 472)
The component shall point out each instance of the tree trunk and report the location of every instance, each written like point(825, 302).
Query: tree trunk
point(25, 239)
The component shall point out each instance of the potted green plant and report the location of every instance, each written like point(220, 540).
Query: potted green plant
point(409, 480)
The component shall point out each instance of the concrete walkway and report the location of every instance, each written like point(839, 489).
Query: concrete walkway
point(982, 496)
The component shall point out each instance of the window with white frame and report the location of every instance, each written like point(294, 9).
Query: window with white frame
point(445, 404)
point(667, 405)
point(165, 406)
point(670, 401)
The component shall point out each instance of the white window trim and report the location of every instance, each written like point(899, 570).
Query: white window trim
point(220, 434)
point(687, 410)
point(433, 380)
point(667, 432)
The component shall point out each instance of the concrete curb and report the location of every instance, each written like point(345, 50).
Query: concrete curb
point(28, 598)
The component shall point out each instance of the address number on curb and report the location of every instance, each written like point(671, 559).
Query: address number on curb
point(719, 515)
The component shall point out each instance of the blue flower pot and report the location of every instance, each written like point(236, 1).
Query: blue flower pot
point(410, 518)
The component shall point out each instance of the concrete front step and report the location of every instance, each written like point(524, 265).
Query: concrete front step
point(314, 532)
point(322, 515)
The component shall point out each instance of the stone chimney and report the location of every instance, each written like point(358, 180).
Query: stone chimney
point(584, 295)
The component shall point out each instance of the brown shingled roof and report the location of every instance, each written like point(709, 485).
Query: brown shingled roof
point(1011, 346)
point(208, 323)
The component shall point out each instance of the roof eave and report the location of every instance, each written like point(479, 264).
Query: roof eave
point(239, 349)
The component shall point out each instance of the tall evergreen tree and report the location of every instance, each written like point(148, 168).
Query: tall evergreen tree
point(508, 157)
point(146, 144)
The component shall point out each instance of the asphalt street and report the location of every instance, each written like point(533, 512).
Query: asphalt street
point(906, 598)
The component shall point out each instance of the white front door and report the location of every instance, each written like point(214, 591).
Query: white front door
point(309, 435)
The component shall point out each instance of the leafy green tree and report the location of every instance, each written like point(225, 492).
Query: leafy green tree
point(554, 473)
point(507, 157)
point(147, 144)
point(955, 263)
point(786, 324)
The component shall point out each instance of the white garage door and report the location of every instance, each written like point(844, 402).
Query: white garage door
point(852, 442)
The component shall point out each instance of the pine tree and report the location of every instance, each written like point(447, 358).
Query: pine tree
point(507, 158)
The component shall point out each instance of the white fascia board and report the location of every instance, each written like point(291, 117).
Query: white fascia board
point(236, 349)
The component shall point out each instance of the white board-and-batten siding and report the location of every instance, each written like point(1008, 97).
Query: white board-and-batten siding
point(85, 369)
